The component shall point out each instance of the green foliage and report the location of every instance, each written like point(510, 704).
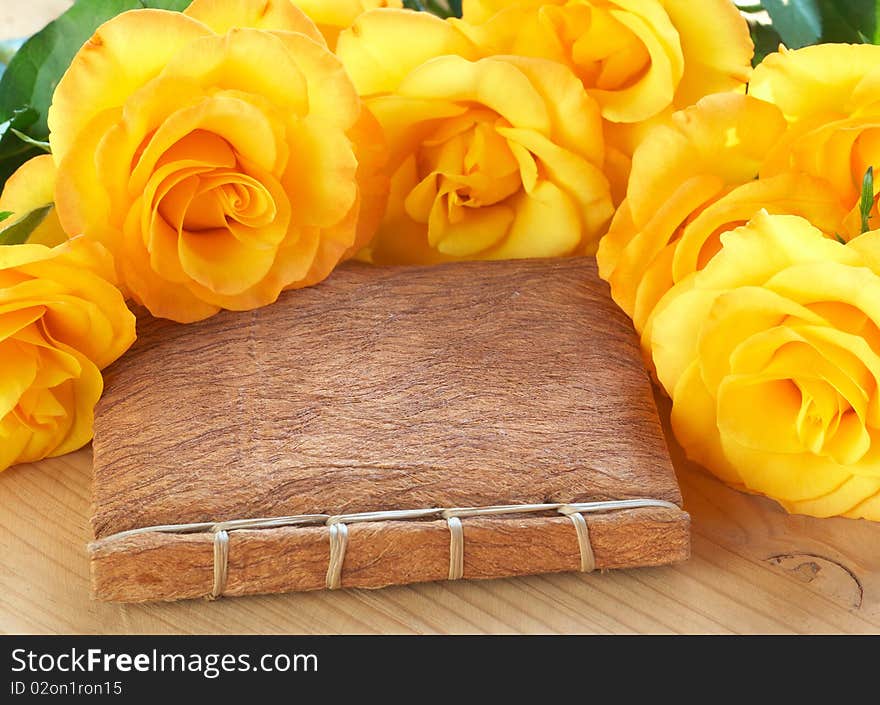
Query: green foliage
point(14, 152)
point(19, 231)
point(29, 81)
point(441, 8)
point(4, 215)
point(866, 203)
point(799, 23)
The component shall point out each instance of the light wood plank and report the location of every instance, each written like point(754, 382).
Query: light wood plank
point(828, 580)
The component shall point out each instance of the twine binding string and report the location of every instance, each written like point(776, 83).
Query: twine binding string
point(588, 560)
point(456, 548)
point(338, 531)
point(338, 544)
point(221, 563)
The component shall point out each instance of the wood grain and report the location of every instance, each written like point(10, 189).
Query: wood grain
point(522, 383)
point(733, 582)
point(159, 566)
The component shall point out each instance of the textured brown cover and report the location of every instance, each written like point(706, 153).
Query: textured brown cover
point(383, 388)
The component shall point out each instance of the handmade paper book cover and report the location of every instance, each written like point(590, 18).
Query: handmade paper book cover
point(376, 430)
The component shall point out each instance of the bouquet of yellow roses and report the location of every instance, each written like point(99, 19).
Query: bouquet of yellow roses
point(191, 157)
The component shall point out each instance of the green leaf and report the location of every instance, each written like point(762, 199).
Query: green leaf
point(852, 21)
point(176, 5)
point(798, 22)
point(14, 152)
point(33, 73)
point(766, 41)
point(6, 54)
point(18, 232)
point(27, 139)
point(866, 203)
point(4, 215)
point(441, 8)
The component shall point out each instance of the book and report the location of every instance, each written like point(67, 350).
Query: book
point(391, 425)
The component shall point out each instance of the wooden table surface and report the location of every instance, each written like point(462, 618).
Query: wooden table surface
point(754, 568)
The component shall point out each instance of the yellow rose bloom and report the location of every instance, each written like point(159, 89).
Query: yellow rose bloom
point(492, 158)
point(771, 355)
point(639, 59)
point(692, 180)
point(828, 94)
point(61, 321)
point(333, 16)
point(222, 155)
point(32, 186)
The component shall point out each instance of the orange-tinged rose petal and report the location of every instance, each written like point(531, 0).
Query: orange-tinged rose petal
point(60, 319)
point(18, 255)
point(23, 362)
point(249, 132)
point(331, 93)
point(332, 16)
point(675, 331)
point(164, 298)
point(824, 352)
point(478, 230)
point(368, 139)
point(547, 225)
point(628, 251)
point(787, 194)
point(710, 65)
point(237, 61)
point(694, 424)
point(384, 46)
point(123, 55)
point(760, 413)
point(582, 181)
point(496, 84)
point(338, 243)
point(30, 187)
point(769, 353)
point(292, 264)
point(651, 94)
point(55, 363)
point(15, 319)
point(817, 80)
point(784, 476)
point(322, 179)
point(847, 500)
point(564, 97)
point(727, 135)
point(83, 206)
point(222, 263)
point(86, 394)
point(408, 122)
point(224, 15)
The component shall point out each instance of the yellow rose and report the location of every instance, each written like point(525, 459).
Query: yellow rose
point(493, 158)
point(32, 187)
point(639, 59)
point(829, 95)
point(333, 16)
point(222, 155)
point(771, 355)
point(61, 322)
point(692, 180)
